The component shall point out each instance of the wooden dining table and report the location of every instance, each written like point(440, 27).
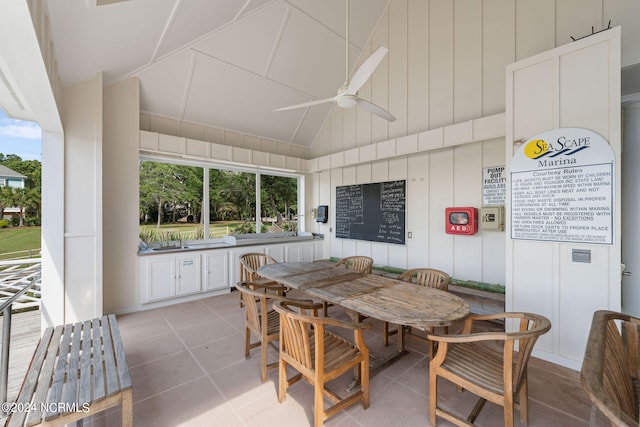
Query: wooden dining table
point(371, 295)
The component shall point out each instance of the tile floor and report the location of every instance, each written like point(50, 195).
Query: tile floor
point(188, 369)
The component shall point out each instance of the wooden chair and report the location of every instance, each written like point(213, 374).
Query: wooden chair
point(430, 278)
point(609, 373)
point(320, 356)
point(499, 377)
point(261, 320)
point(357, 263)
point(249, 265)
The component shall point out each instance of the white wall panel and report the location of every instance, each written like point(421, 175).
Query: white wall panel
point(336, 179)
point(418, 66)
point(440, 197)
point(349, 127)
point(618, 12)
point(467, 60)
point(569, 23)
point(581, 107)
point(335, 119)
point(534, 85)
point(398, 51)
point(380, 81)
point(535, 27)
point(441, 25)
point(418, 210)
point(498, 50)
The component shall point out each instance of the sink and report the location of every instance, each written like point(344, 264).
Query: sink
point(168, 248)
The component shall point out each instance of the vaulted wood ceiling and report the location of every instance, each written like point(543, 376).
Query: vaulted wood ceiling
point(222, 63)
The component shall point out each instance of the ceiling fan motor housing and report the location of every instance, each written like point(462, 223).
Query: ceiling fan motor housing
point(347, 101)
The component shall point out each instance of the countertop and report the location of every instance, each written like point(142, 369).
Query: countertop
point(229, 242)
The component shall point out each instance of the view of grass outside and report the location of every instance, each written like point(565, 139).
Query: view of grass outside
point(172, 200)
point(16, 242)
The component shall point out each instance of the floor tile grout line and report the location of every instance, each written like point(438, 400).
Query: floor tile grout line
point(202, 368)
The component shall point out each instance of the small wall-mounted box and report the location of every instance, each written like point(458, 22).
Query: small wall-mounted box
point(323, 214)
point(492, 218)
point(461, 220)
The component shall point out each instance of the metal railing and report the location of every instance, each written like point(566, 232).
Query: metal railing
point(20, 282)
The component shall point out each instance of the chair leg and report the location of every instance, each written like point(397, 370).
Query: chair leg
point(433, 396)
point(247, 342)
point(263, 360)
point(364, 382)
point(523, 402)
point(508, 410)
point(282, 380)
point(318, 405)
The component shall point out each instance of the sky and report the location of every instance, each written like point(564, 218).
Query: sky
point(20, 138)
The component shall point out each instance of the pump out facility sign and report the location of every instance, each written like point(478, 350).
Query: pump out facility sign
point(562, 188)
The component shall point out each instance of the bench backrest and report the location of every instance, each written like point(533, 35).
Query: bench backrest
point(610, 366)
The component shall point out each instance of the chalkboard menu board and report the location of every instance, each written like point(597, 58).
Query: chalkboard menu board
point(373, 212)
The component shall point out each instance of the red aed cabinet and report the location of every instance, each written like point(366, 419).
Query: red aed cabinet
point(461, 220)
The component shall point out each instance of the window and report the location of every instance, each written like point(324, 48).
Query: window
point(174, 204)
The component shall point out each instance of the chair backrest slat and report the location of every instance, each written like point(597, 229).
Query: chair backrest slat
point(358, 263)
point(428, 277)
point(251, 262)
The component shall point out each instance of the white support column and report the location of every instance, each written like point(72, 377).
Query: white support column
point(52, 302)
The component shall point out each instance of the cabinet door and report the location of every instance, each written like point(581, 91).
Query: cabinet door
point(300, 252)
point(276, 251)
point(188, 269)
point(161, 278)
point(216, 270)
point(306, 252)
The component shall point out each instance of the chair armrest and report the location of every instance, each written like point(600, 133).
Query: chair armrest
point(258, 286)
point(474, 337)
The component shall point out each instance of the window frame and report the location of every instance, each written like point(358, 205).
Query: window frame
point(257, 171)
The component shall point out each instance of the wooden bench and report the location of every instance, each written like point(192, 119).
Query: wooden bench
point(609, 371)
point(77, 370)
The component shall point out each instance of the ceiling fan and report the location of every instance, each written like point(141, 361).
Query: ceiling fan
point(347, 96)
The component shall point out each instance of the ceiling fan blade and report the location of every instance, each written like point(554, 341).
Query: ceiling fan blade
point(307, 104)
point(366, 70)
point(373, 108)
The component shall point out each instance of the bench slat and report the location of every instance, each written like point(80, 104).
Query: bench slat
point(76, 367)
point(60, 371)
point(98, 365)
point(123, 368)
point(46, 372)
point(70, 388)
point(109, 361)
point(31, 380)
point(85, 364)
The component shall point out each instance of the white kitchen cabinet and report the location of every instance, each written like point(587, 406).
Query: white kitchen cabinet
point(216, 270)
point(301, 252)
point(158, 278)
point(170, 275)
point(188, 276)
point(276, 251)
point(182, 275)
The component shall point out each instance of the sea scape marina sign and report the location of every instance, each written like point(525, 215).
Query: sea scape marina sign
point(562, 188)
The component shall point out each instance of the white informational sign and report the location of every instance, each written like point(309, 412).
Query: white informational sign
point(494, 186)
point(562, 188)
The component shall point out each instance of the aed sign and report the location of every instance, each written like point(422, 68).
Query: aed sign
point(462, 220)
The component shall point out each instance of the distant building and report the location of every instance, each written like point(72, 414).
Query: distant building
point(11, 178)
